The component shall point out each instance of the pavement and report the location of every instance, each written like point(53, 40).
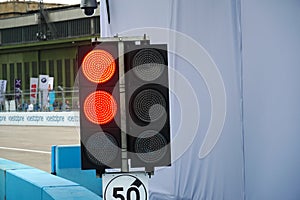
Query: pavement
point(31, 145)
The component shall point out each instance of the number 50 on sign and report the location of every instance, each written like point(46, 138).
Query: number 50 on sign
point(133, 186)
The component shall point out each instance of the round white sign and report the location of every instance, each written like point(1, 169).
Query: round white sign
point(125, 186)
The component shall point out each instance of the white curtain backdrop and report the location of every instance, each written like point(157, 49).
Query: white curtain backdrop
point(271, 62)
point(252, 48)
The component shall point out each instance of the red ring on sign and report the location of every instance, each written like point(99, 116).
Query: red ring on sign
point(98, 66)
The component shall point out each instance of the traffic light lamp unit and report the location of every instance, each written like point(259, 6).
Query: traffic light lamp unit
point(124, 105)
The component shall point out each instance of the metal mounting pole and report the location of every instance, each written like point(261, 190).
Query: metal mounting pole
point(123, 125)
point(124, 167)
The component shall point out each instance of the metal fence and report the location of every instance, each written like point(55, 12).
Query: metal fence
point(52, 101)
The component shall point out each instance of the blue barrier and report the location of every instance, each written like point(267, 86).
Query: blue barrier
point(20, 182)
point(6, 165)
point(63, 193)
point(66, 163)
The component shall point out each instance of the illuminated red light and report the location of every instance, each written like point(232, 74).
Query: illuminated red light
point(100, 107)
point(98, 66)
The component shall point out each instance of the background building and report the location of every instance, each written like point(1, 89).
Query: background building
point(18, 8)
point(42, 39)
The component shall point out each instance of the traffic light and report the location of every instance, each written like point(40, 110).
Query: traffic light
point(99, 106)
point(147, 98)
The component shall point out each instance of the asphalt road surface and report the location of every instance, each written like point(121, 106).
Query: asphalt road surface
point(31, 145)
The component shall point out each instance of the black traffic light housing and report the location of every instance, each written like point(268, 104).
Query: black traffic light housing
point(99, 113)
point(147, 97)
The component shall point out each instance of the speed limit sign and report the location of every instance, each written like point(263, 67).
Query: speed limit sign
point(125, 186)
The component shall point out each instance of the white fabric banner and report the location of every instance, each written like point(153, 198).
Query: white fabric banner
point(44, 86)
point(39, 118)
point(43, 82)
point(34, 82)
point(50, 83)
point(2, 90)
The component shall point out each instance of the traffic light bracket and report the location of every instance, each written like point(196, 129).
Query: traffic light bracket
point(143, 39)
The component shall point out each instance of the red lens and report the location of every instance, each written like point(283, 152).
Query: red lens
point(98, 66)
point(100, 107)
